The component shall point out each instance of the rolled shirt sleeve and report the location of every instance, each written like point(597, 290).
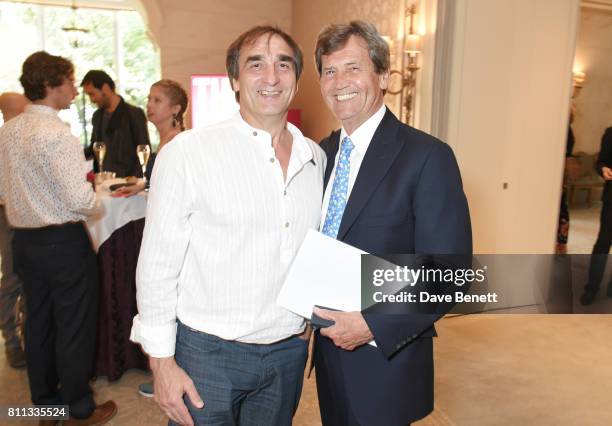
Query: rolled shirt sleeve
point(165, 240)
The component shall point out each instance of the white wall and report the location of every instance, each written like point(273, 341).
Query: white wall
point(510, 88)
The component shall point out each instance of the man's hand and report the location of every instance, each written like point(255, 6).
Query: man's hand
point(349, 331)
point(129, 190)
point(170, 383)
point(606, 172)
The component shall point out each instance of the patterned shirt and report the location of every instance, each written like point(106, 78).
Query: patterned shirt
point(223, 226)
point(42, 171)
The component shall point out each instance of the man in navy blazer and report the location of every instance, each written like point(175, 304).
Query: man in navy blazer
point(389, 189)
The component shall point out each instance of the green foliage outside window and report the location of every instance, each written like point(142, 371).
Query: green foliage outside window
point(117, 42)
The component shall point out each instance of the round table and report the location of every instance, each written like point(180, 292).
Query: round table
point(116, 233)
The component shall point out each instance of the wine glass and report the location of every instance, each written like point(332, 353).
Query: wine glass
point(99, 149)
point(143, 152)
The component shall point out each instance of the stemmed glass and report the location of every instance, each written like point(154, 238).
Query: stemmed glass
point(99, 149)
point(143, 152)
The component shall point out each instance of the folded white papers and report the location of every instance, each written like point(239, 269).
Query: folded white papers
point(325, 272)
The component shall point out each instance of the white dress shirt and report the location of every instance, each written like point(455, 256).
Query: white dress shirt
point(43, 175)
point(361, 138)
point(222, 228)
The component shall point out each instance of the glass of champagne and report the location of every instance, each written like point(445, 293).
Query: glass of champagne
point(99, 149)
point(143, 152)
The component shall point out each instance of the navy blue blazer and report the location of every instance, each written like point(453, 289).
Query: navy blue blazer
point(407, 198)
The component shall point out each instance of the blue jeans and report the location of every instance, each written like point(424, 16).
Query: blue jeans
point(241, 383)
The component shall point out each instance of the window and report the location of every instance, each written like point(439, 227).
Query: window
point(117, 42)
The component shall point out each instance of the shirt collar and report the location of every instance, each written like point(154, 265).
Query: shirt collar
point(40, 109)
point(301, 148)
point(362, 136)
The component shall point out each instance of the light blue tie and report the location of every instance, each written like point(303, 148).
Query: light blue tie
point(338, 198)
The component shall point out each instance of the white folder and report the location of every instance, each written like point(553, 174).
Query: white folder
point(325, 272)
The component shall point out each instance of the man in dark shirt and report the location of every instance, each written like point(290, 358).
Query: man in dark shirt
point(119, 125)
point(604, 238)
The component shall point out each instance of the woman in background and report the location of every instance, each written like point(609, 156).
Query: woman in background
point(166, 106)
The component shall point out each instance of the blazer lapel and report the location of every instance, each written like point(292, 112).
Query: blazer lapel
point(379, 157)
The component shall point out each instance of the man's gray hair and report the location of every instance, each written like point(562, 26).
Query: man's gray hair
point(334, 37)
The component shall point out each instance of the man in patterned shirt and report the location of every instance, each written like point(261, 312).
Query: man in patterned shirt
point(47, 198)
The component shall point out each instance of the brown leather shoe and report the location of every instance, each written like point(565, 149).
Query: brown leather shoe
point(102, 414)
point(15, 357)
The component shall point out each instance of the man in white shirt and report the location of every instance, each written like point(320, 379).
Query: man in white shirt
point(229, 206)
point(11, 105)
point(47, 198)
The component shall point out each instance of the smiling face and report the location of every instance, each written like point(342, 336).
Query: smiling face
point(350, 85)
point(159, 106)
point(266, 79)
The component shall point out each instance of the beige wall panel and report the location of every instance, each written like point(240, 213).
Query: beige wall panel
point(509, 103)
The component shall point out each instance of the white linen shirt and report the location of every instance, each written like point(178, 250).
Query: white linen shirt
point(222, 228)
point(43, 175)
point(361, 138)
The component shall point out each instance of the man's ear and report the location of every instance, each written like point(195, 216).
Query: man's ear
point(235, 84)
point(384, 80)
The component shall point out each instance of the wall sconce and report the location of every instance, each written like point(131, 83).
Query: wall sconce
point(578, 77)
point(411, 44)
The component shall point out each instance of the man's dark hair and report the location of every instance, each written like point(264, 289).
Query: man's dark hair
point(98, 78)
point(334, 37)
point(232, 58)
point(41, 70)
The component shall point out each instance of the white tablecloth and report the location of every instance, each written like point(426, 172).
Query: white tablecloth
point(114, 213)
